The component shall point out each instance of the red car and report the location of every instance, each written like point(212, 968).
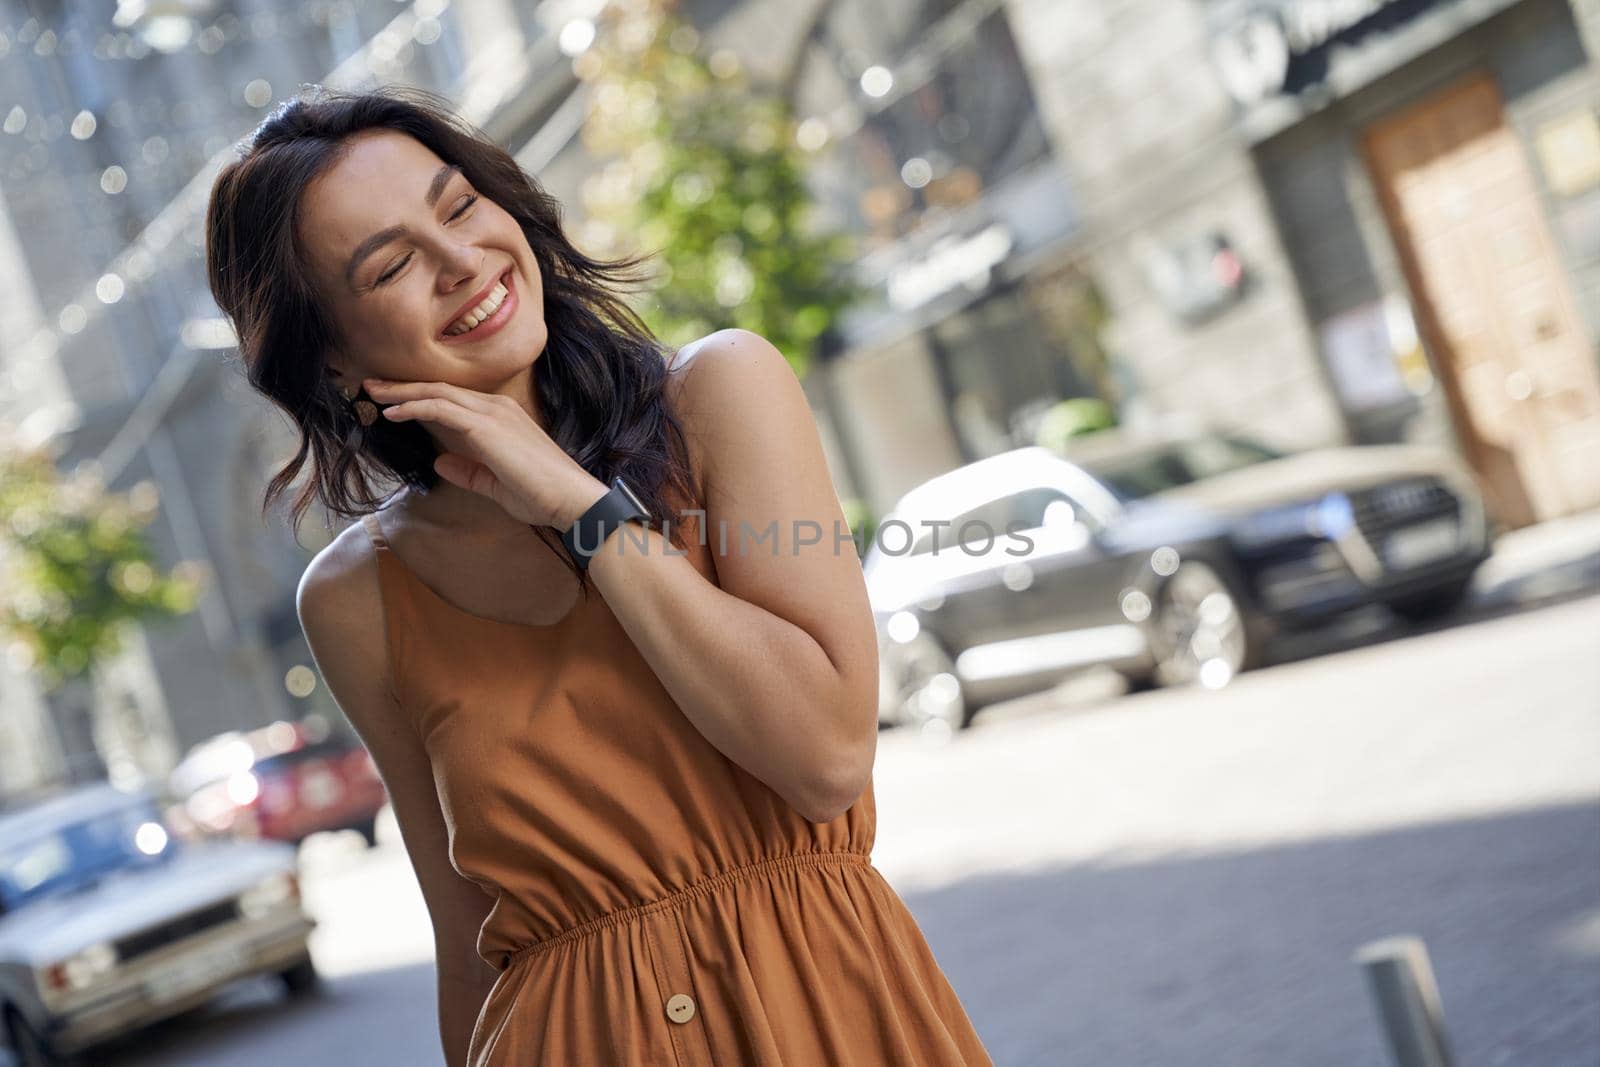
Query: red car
point(283, 782)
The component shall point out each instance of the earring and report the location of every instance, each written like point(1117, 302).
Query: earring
point(366, 410)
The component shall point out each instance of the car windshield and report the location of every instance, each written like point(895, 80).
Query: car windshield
point(50, 857)
point(1147, 472)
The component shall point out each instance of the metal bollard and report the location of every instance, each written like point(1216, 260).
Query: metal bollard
point(1401, 980)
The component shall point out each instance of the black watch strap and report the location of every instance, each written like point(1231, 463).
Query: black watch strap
point(585, 536)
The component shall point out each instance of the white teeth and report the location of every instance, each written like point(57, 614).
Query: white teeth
point(472, 318)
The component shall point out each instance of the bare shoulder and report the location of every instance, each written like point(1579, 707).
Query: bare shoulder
point(715, 354)
point(340, 606)
point(733, 380)
point(341, 577)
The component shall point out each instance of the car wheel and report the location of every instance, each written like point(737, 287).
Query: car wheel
point(928, 690)
point(301, 979)
point(1434, 604)
point(31, 1047)
point(1199, 633)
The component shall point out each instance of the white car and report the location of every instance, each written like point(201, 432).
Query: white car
point(108, 923)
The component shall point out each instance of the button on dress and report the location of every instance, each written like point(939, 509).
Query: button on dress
point(655, 905)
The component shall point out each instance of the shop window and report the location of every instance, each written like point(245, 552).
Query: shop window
point(926, 105)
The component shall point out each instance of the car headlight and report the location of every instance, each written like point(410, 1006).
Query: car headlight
point(902, 627)
point(83, 969)
point(150, 838)
point(270, 893)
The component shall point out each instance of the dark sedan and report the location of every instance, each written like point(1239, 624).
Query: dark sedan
point(1172, 560)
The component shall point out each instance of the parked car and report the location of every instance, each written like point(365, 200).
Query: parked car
point(283, 782)
point(108, 922)
point(1172, 559)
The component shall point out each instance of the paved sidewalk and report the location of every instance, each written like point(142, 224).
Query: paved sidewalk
point(1180, 878)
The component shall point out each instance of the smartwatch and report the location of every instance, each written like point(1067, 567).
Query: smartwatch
point(585, 536)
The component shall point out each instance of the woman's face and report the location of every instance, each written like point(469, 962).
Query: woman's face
point(403, 249)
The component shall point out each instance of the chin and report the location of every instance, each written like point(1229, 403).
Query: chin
point(518, 355)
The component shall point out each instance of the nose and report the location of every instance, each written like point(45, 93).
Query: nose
point(459, 263)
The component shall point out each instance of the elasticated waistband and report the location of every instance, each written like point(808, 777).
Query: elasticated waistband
point(694, 890)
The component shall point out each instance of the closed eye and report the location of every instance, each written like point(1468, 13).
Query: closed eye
point(466, 205)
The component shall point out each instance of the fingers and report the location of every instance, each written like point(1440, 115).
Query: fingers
point(445, 412)
point(386, 392)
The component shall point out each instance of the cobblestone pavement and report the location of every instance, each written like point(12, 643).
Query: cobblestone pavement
point(1181, 878)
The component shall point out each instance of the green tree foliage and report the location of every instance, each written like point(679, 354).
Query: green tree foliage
point(705, 172)
point(1073, 418)
point(75, 566)
point(863, 523)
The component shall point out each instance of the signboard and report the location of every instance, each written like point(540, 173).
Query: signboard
point(1257, 51)
point(952, 261)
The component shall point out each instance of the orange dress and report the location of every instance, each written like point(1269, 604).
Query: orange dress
point(655, 904)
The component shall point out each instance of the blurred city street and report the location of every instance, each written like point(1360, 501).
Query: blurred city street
point(1269, 329)
point(1174, 878)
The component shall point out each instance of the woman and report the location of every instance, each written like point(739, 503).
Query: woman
point(635, 782)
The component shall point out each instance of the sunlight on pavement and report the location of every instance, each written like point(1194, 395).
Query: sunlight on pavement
point(1408, 732)
point(1581, 937)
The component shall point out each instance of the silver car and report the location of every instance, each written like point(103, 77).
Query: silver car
point(108, 923)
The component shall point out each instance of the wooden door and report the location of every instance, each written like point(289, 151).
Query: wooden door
point(1494, 307)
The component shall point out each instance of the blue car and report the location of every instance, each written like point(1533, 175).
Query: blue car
point(108, 922)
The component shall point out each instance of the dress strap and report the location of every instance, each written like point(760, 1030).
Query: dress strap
point(374, 531)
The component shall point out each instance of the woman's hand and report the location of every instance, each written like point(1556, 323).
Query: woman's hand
point(512, 461)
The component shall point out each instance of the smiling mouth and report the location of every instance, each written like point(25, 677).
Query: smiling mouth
point(489, 312)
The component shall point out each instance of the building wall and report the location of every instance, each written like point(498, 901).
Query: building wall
point(890, 406)
point(215, 670)
point(1326, 202)
point(1574, 218)
point(1147, 134)
point(1578, 219)
point(164, 118)
point(1587, 15)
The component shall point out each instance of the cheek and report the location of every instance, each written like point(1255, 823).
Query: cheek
point(507, 234)
point(533, 290)
point(374, 331)
point(383, 333)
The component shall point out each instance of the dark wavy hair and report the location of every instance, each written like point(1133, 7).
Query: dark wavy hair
point(600, 383)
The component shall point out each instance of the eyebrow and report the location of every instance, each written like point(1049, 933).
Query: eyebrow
point(384, 236)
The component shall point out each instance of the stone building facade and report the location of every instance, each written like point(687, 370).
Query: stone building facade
point(1299, 149)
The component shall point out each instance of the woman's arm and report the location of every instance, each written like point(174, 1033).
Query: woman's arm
point(778, 667)
point(340, 611)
